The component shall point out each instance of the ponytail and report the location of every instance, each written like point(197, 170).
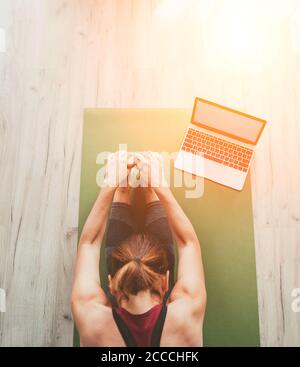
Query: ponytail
point(137, 265)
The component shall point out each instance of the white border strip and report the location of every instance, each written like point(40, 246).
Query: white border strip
point(2, 300)
point(2, 41)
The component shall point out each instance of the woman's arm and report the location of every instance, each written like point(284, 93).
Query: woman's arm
point(191, 282)
point(87, 279)
point(190, 278)
point(87, 285)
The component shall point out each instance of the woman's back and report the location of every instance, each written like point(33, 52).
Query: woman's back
point(140, 330)
point(182, 325)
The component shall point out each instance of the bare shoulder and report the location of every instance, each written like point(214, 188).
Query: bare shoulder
point(89, 314)
point(184, 323)
point(186, 308)
point(96, 325)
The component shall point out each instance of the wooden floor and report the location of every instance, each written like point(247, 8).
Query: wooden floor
point(65, 55)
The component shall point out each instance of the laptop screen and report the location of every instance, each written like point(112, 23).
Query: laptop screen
point(223, 120)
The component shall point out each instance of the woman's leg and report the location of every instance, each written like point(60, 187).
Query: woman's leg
point(156, 224)
point(120, 225)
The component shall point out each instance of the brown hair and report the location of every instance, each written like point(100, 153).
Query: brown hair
point(137, 265)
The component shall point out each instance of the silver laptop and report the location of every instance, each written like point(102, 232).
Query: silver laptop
point(219, 143)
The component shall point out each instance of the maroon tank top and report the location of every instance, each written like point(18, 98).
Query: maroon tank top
point(141, 326)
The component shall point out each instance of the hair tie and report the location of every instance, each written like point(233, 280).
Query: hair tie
point(136, 258)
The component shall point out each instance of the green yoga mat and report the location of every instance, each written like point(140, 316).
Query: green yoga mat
point(222, 217)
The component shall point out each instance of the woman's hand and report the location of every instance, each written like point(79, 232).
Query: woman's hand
point(117, 169)
point(151, 171)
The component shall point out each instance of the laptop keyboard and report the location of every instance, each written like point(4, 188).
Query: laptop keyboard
point(218, 150)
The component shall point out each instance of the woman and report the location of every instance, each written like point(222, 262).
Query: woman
point(141, 305)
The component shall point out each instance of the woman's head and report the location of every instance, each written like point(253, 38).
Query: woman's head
point(138, 264)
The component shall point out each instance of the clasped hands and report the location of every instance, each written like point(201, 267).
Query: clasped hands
point(125, 169)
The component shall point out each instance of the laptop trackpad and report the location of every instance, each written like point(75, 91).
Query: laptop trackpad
point(211, 170)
